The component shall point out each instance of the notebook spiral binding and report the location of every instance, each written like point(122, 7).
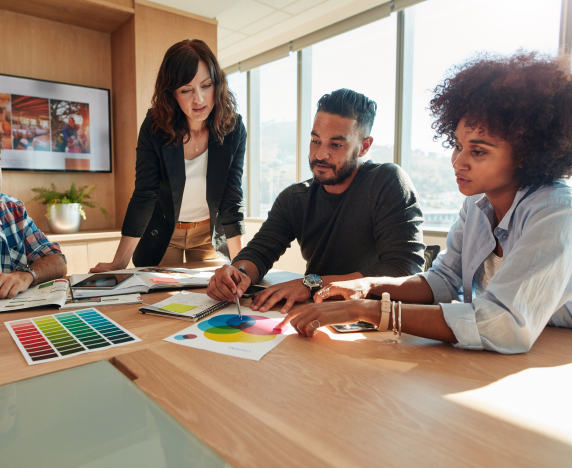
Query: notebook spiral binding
point(210, 310)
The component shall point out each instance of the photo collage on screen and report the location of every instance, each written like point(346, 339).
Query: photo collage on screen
point(39, 124)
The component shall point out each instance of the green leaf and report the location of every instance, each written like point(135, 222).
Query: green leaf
point(74, 195)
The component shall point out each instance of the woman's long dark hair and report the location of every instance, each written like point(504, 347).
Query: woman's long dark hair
point(179, 67)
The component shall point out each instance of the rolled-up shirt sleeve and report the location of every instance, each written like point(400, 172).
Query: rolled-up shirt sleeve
point(461, 320)
point(533, 283)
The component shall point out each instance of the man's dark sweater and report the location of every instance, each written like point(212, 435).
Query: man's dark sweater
point(372, 228)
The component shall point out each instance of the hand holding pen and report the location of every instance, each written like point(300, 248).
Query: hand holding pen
point(227, 284)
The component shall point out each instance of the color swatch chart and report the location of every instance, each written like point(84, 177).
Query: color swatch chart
point(53, 337)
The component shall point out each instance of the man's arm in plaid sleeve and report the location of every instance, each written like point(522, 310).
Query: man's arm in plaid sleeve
point(40, 254)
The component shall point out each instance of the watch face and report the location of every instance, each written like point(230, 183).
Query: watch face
point(313, 281)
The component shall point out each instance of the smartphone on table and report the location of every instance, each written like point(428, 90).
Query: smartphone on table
point(102, 281)
point(354, 327)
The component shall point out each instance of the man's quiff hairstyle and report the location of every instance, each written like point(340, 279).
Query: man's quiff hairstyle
point(524, 99)
point(349, 104)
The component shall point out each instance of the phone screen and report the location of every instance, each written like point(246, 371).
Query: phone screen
point(354, 327)
point(105, 280)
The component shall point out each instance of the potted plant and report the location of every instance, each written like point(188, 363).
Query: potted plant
point(65, 209)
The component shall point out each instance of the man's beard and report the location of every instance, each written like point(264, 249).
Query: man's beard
point(341, 174)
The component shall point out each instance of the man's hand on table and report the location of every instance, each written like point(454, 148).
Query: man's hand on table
point(293, 291)
point(14, 283)
point(227, 283)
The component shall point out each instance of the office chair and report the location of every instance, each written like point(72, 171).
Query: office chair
point(431, 252)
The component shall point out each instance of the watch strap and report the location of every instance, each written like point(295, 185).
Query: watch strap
point(385, 313)
point(31, 271)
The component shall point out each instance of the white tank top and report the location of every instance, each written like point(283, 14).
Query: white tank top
point(485, 272)
point(194, 207)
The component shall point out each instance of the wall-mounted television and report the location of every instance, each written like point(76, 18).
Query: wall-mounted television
point(49, 126)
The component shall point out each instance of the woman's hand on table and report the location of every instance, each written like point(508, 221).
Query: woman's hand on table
point(349, 290)
point(307, 319)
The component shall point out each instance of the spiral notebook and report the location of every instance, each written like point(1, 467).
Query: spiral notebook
point(184, 306)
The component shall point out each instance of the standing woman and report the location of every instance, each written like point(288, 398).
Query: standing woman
point(190, 155)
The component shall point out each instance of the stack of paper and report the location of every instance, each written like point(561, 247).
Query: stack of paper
point(146, 279)
point(56, 293)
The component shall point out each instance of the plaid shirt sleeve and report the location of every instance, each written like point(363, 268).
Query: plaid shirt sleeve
point(25, 243)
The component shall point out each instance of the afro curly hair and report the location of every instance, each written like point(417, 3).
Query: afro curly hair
point(524, 98)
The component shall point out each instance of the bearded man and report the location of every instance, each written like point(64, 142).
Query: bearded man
point(353, 219)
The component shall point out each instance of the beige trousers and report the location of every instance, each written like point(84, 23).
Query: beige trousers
point(194, 243)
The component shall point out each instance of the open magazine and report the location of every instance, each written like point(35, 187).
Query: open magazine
point(146, 279)
point(56, 293)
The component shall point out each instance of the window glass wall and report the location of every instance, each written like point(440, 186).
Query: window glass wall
point(278, 101)
point(237, 83)
point(445, 33)
point(442, 33)
point(362, 60)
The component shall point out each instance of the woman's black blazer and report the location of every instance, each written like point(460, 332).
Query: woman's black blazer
point(159, 184)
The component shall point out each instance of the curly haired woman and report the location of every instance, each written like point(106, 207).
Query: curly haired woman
point(509, 254)
point(190, 157)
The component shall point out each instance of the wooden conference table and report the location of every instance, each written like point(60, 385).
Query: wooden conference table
point(344, 400)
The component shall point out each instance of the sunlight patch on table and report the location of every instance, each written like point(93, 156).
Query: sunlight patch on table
point(536, 399)
point(342, 336)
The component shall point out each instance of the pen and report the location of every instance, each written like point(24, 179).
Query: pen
point(238, 307)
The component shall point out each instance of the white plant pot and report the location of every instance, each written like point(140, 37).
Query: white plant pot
point(64, 219)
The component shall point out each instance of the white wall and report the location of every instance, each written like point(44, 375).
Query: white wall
point(292, 260)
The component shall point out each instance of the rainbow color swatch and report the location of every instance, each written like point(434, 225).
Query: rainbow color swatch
point(53, 337)
point(250, 338)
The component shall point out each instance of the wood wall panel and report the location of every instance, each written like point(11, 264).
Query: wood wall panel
point(124, 115)
point(155, 31)
point(122, 3)
point(102, 251)
point(76, 256)
point(38, 48)
point(100, 15)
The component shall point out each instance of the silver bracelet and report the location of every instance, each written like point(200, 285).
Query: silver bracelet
point(393, 316)
point(399, 320)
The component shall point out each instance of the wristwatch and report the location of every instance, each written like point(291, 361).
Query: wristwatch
point(314, 282)
point(29, 270)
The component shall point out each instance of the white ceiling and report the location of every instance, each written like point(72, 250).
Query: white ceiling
point(249, 27)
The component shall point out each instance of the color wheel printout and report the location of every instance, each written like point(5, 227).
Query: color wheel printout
point(53, 337)
point(224, 333)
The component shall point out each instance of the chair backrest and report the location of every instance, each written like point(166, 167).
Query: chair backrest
point(431, 252)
